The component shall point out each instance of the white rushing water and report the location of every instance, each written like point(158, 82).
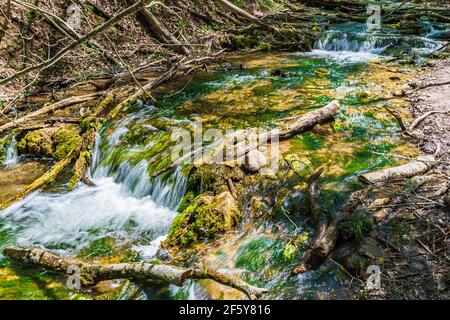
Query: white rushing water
point(360, 46)
point(125, 204)
point(11, 153)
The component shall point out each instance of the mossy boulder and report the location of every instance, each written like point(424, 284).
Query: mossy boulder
point(55, 142)
point(211, 177)
point(2, 150)
point(206, 218)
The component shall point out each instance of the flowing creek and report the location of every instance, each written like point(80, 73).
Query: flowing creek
point(126, 215)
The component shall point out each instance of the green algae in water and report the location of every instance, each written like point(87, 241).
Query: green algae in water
point(259, 253)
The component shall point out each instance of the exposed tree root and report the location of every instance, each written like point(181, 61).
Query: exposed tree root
point(91, 273)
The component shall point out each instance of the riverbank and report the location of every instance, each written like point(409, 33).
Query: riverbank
point(417, 233)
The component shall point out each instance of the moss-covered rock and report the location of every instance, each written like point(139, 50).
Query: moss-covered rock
point(2, 150)
point(206, 218)
point(50, 142)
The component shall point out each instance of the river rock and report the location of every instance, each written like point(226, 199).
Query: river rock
point(206, 218)
point(356, 257)
point(254, 161)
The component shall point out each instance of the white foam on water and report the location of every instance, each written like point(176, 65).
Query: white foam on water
point(342, 56)
point(75, 218)
point(11, 156)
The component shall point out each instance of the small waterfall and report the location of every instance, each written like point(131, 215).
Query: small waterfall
point(125, 203)
point(355, 42)
point(167, 189)
point(335, 40)
point(11, 152)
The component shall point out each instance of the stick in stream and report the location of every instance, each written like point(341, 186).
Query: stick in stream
point(91, 273)
point(325, 229)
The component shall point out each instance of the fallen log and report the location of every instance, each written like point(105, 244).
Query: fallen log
point(47, 109)
point(91, 273)
point(247, 141)
point(417, 166)
point(46, 178)
point(309, 120)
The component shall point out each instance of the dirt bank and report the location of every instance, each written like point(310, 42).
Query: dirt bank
point(418, 263)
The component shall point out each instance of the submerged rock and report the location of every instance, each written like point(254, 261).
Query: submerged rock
point(206, 218)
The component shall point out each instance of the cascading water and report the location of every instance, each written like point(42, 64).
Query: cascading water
point(126, 204)
point(11, 156)
point(354, 42)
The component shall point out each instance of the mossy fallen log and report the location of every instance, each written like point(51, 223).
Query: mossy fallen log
point(91, 273)
point(415, 167)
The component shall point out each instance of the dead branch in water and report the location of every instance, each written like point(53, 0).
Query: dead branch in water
point(91, 273)
point(417, 166)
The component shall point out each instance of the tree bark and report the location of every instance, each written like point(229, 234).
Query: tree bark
point(91, 273)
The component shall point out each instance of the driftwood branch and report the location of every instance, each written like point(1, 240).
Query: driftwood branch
point(423, 117)
point(91, 273)
point(417, 166)
point(325, 233)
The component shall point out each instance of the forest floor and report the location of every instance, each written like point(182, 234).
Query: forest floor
point(418, 263)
